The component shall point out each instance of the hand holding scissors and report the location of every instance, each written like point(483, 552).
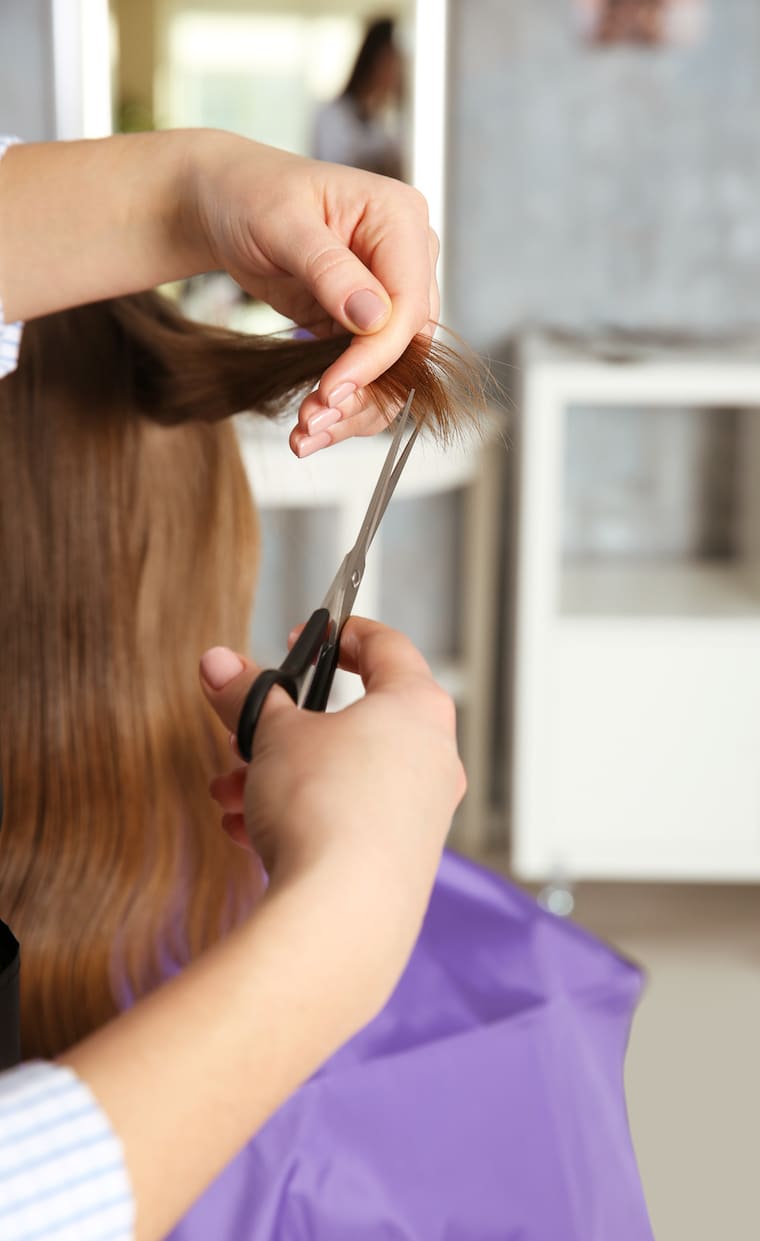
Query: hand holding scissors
point(307, 672)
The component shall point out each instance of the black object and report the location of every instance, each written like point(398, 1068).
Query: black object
point(10, 962)
point(291, 674)
point(10, 1026)
point(306, 674)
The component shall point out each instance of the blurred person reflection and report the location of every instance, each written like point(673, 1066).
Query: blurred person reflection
point(634, 21)
point(362, 127)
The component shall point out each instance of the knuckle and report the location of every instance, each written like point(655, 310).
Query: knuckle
point(402, 645)
point(418, 201)
point(325, 262)
point(443, 705)
point(419, 309)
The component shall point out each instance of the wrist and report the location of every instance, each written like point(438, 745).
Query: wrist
point(340, 941)
point(183, 226)
point(202, 155)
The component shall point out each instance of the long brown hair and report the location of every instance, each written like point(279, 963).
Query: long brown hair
point(128, 545)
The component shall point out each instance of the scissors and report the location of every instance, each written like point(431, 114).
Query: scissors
point(307, 672)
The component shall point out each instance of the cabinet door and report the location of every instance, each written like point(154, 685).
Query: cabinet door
point(650, 754)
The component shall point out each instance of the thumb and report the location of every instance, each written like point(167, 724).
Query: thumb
point(342, 285)
point(226, 678)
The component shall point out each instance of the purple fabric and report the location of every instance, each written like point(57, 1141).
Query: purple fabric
point(485, 1103)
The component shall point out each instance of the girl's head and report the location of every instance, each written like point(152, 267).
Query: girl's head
point(376, 78)
point(129, 545)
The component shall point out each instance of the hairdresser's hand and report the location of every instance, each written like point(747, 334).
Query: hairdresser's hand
point(335, 249)
point(360, 800)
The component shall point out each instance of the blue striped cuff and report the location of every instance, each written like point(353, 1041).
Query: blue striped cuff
point(62, 1170)
point(10, 333)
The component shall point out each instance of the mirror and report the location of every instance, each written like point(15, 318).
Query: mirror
point(274, 71)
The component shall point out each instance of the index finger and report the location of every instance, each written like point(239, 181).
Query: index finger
point(374, 651)
point(382, 657)
point(401, 254)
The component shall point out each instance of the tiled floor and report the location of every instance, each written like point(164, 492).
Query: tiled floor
point(693, 1065)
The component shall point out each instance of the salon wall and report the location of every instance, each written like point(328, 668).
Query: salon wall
point(616, 185)
point(27, 103)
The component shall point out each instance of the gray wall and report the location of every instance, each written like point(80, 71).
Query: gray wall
point(586, 186)
point(27, 104)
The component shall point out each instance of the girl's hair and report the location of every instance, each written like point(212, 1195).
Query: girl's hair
point(128, 543)
point(377, 41)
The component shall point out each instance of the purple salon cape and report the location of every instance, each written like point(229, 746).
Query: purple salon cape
point(485, 1103)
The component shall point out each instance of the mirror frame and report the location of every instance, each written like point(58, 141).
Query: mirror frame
point(430, 100)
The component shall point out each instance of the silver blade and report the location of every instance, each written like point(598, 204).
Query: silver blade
point(383, 487)
point(340, 598)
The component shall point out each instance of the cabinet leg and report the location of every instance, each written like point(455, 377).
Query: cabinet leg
point(480, 584)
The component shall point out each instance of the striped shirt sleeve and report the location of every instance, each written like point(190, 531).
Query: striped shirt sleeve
point(10, 333)
point(62, 1171)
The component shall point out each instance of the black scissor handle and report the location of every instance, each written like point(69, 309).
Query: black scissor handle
point(289, 675)
point(254, 705)
point(319, 690)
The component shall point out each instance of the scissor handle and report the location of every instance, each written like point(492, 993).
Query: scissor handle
point(319, 690)
point(289, 675)
point(254, 705)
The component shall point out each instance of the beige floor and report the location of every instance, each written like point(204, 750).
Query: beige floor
point(693, 1068)
point(693, 1065)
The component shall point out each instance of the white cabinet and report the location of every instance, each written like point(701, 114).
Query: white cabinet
point(636, 669)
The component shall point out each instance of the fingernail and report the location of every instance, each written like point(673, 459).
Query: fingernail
point(219, 666)
point(324, 419)
point(340, 393)
point(365, 308)
point(313, 443)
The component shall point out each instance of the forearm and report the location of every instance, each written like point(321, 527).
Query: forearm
point(80, 221)
point(195, 1069)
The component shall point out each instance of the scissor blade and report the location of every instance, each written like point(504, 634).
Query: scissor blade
point(391, 487)
point(335, 596)
point(340, 598)
point(384, 488)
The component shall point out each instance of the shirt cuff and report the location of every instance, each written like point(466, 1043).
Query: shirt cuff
point(10, 333)
point(62, 1169)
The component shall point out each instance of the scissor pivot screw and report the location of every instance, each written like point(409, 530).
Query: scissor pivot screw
point(356, 578)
